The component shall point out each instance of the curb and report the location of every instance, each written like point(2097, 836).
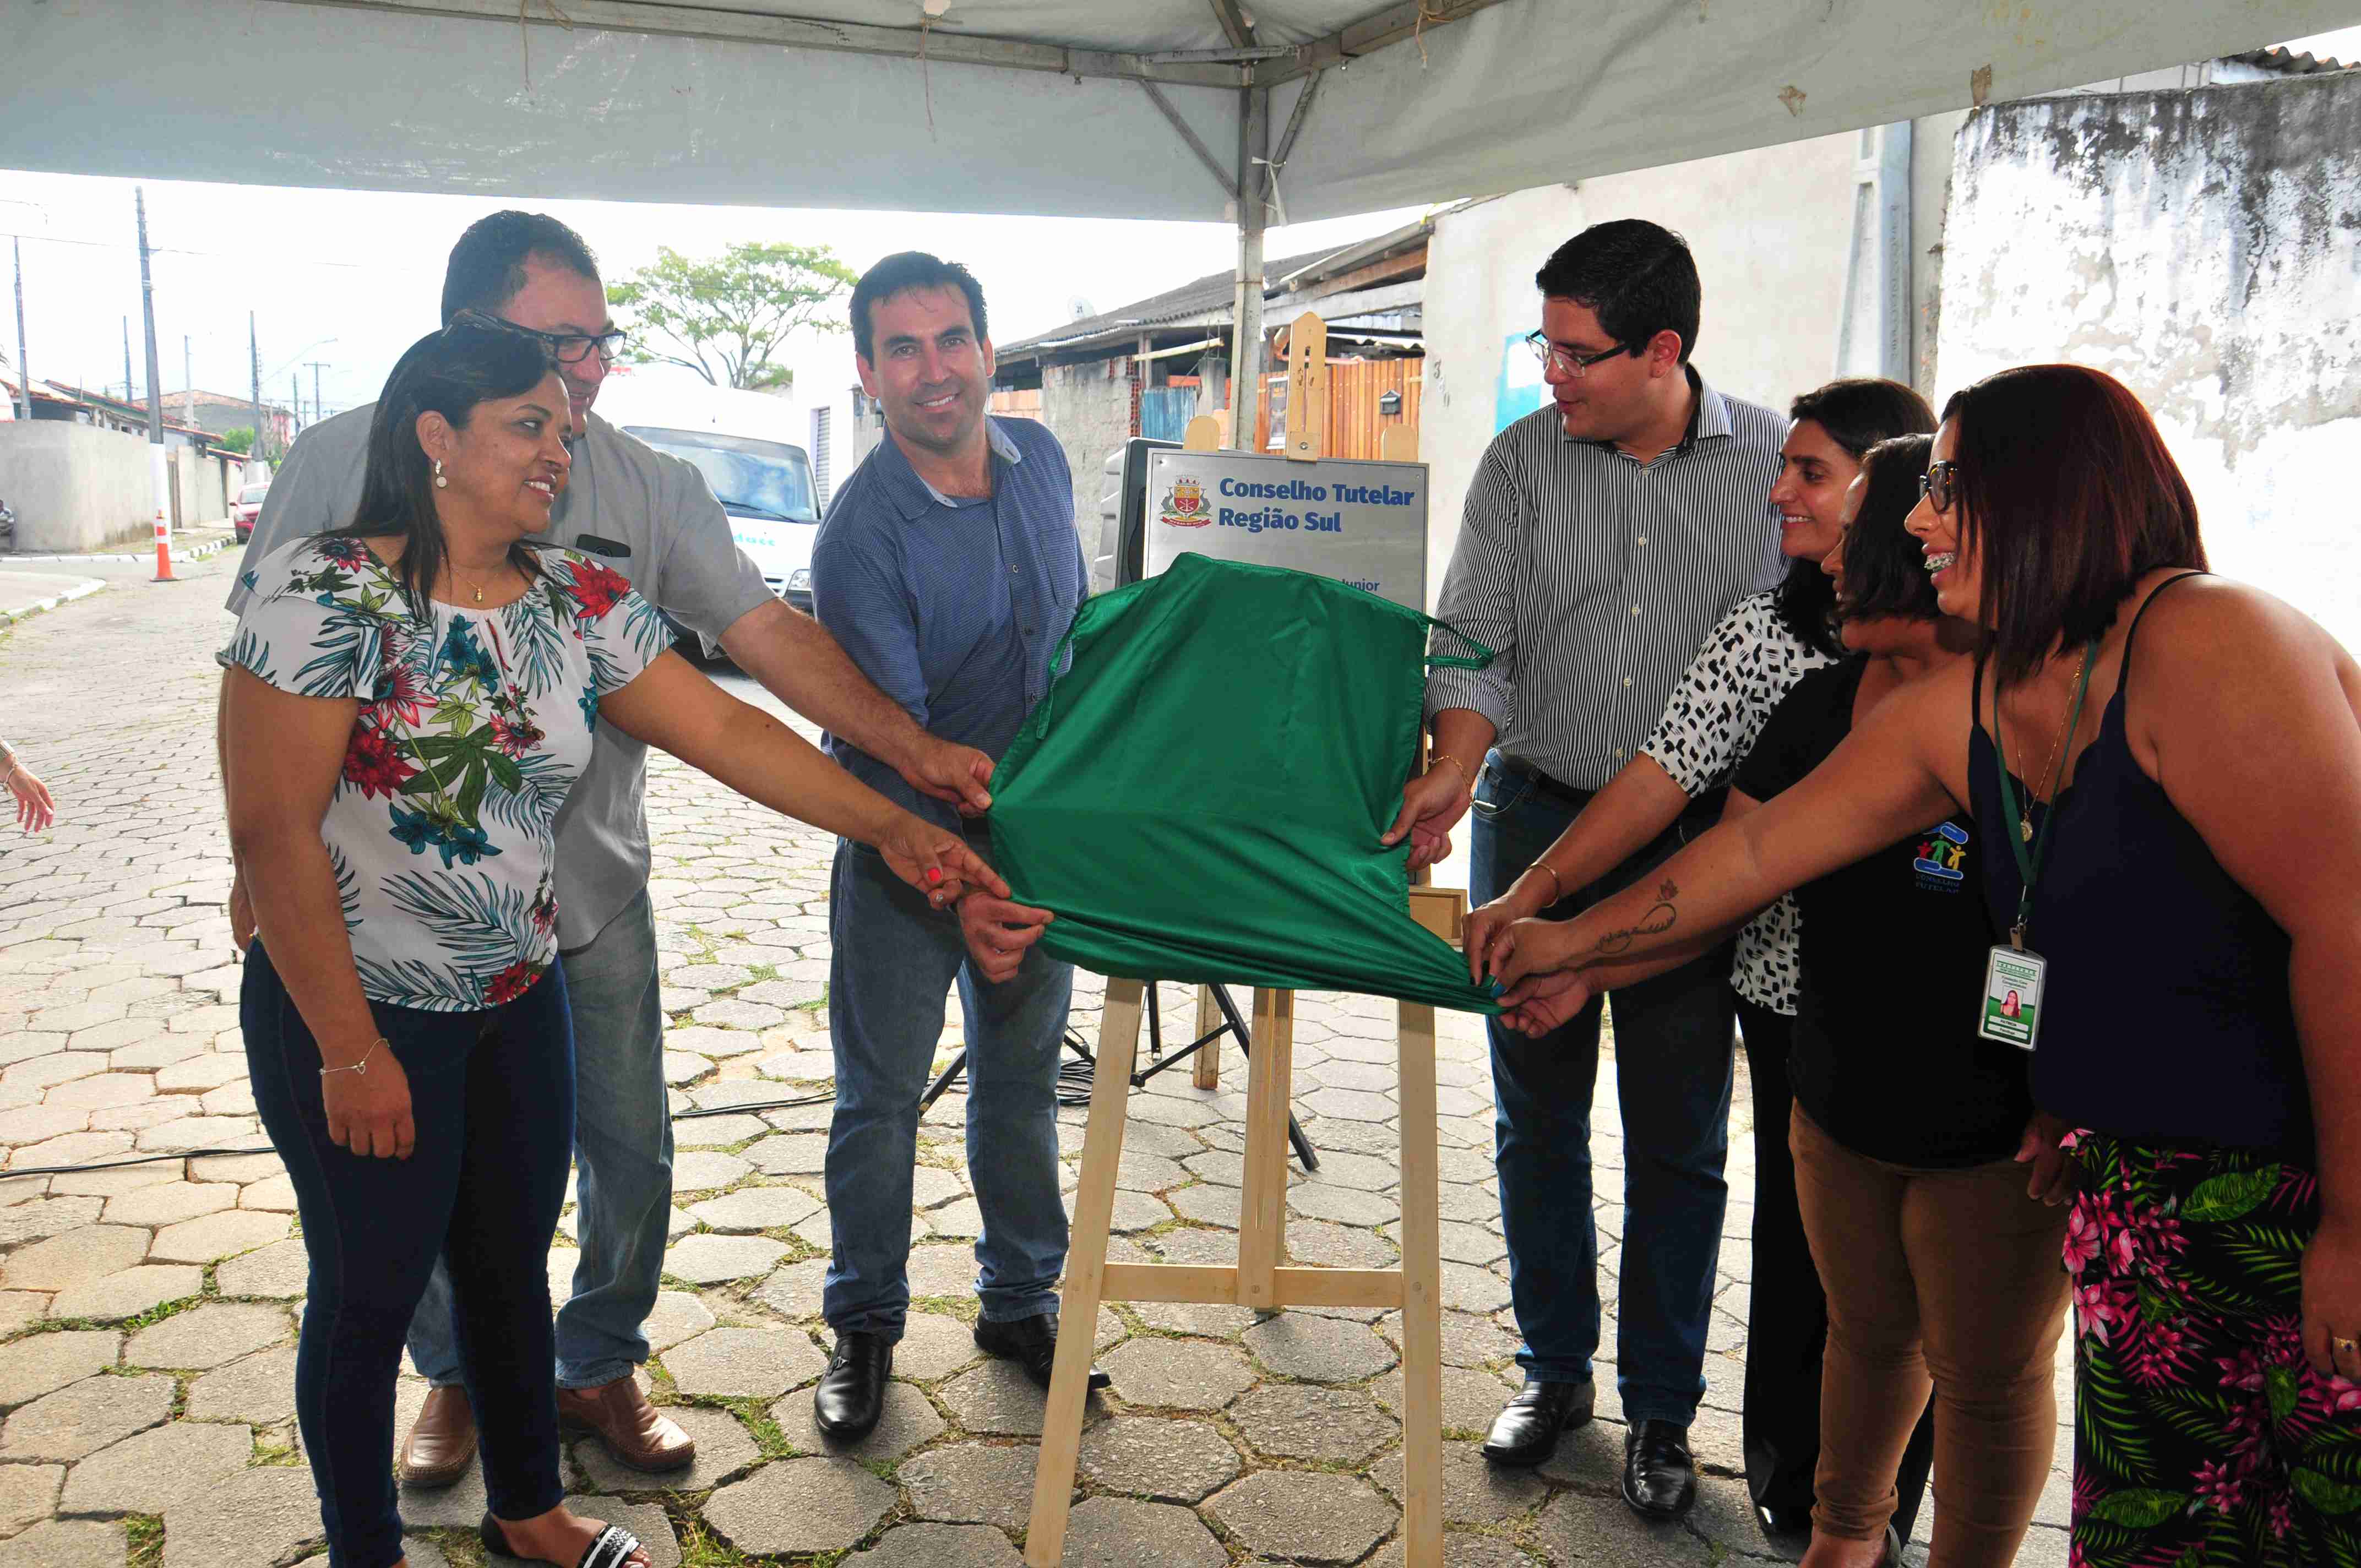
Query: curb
point(193, 553)
point(83, 589)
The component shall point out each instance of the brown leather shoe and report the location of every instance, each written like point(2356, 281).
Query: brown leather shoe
point(635, 1432)
point(442, 1441)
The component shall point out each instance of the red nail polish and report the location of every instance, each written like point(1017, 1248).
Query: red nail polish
point(933, 874)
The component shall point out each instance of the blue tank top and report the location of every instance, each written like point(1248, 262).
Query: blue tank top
point(2167, 1018)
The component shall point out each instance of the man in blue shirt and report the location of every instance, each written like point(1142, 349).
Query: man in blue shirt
point(948, 569)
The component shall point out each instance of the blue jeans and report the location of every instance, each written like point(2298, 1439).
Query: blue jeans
point(1673, 1047)
point(492, 1095)
point(622, 1146)
point(894, 961)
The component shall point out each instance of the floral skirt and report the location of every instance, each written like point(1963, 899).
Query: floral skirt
point(2202, 1437)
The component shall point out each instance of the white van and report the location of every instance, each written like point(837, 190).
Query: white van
point(746, 445)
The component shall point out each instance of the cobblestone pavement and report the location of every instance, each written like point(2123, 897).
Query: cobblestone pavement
point(148, 1314)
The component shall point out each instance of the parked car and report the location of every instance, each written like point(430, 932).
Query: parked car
point(742, 442)
point(246, 508)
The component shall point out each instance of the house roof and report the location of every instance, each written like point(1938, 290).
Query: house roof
point(134, 411)
point(1213, 291)
point(1209, 300)
point(240, 399)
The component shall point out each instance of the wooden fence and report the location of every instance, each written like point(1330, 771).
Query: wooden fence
point(1355, 387)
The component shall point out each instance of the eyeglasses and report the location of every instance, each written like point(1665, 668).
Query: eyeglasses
point(1567, 360)
point(565, 348)
point(1940, 485)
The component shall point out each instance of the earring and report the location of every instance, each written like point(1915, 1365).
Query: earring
point(440, 482)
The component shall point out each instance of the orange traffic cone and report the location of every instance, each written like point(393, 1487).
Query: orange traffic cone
point(164, 549)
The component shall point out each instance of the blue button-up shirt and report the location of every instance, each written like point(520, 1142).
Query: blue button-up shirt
point(954, 607)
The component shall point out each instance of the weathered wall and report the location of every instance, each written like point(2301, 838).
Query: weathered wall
point(1088, 407)
point(2204, 246)
point(75, 488)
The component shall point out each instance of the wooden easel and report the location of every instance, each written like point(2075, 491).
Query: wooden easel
point(1262, 1278)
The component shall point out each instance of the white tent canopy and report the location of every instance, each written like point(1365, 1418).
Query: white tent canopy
point(1038, 106)
point(1105, 108)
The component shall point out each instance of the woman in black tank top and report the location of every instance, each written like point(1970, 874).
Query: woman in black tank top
point(2179, 763)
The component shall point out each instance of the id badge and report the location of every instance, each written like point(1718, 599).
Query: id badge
point(2012, 1001)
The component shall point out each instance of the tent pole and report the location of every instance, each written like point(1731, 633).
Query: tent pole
point(1245, 338)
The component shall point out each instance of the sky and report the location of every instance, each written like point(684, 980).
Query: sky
point(365, 268)
point(351, 278)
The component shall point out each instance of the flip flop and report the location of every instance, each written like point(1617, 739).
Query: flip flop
point(612, 1549)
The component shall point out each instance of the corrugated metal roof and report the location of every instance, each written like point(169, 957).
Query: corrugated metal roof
point(2287, 64)
point(1215, 291)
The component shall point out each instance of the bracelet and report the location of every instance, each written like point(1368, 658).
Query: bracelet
point(1557, 887)
point(360, 1068)
point(1445, 757)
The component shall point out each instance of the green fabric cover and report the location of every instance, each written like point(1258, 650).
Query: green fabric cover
point(1199, 797)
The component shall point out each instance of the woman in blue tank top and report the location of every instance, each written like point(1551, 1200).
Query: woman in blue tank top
point(2176, 763)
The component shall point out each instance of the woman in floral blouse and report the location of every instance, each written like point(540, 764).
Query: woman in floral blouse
point(407, 701)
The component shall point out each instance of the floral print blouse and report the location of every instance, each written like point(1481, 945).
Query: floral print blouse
point(473, 727)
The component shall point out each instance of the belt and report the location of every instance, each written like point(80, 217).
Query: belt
point(1702, 812)
point(1541, 784)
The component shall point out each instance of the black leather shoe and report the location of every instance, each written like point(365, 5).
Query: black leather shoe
point(1659, 1477)
point(1777, 1522)
point(1525, 1432)
point(1031, 1342)
point(852, 1392)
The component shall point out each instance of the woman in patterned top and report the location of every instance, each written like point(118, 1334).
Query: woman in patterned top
point(1765, 644)
point(407, 700)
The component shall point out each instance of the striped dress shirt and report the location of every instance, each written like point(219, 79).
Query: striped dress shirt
point(1596, 578)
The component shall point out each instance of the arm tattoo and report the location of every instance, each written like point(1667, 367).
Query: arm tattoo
point(1659, 919)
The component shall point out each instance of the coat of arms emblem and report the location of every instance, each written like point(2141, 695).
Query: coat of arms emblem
point(1184, 504)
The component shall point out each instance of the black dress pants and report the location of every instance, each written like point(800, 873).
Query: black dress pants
point(1787, 1314)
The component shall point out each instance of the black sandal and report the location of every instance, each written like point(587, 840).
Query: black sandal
point(612, 1549)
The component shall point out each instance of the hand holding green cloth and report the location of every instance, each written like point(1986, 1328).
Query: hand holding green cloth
point(1199, 797)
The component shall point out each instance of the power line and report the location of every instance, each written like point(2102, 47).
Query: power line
point(215, 255)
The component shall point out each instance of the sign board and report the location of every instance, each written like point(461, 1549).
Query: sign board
point(1363, 523)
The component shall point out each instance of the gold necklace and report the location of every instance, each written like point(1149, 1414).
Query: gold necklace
point(475, 587)
point(2025, 814)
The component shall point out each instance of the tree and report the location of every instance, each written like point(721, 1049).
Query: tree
point(725, 318)
point(240, 440)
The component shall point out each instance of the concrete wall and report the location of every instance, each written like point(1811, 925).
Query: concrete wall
point(1088, 407)
point(2205, 248)
point(201, 490)
point(75, 488)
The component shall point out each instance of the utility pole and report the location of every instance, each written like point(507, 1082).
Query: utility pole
point(24, 371)
point(159, 466)
point(254, 358)
point(294, 403)
point(127, 349)
point(318, 413)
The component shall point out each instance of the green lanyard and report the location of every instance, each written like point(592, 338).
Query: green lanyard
point(2028, 863)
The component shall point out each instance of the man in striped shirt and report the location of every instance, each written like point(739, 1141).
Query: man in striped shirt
point(1604, 537)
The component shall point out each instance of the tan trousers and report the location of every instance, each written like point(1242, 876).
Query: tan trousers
point(1947, 1276)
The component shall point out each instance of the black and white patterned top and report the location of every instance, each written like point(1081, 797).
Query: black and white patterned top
point(1747, 663)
